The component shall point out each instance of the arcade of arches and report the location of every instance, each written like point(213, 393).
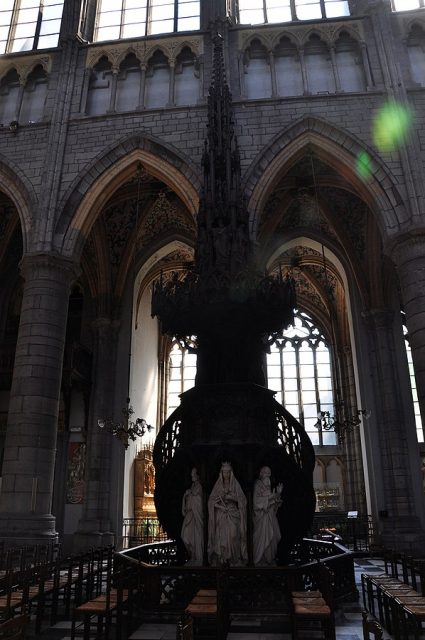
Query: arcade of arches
point(96, 202)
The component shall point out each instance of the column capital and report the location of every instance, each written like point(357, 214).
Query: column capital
point(407, 246)
point(45, 264)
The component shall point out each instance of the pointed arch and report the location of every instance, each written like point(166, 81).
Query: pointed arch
point(20, 191)
point(335, 147)
point(107, 172)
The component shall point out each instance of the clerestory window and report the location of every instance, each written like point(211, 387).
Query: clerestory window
point(299, 369)
point(271, 11)
point(418, 419)
point(406, 5)
point(29, 24)
point(181, 373)
point(135, 18)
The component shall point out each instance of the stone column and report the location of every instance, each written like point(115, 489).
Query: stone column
point(30, 447)
point(355, 498)
point(94, 528)
point(401, 527)
point(408, 253)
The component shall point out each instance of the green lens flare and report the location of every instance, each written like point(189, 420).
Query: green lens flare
point(391, 125)
point(364, 165)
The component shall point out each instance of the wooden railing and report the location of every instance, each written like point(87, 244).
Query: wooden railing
point(167, 586)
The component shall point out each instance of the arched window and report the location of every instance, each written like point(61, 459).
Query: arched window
point(181, 374)
point(134, 18)
point(99, 93)
point(34, 98)
point(288, 69)
point(271, 11)
point(418, 419)
point(299, 370)
point(186, 78)
point(29, 24)
point(157, 90)
point(9, 91)
point(128, 84)
point(258, 81)
point(318, 66)
point(349, 63)
point(416, 53)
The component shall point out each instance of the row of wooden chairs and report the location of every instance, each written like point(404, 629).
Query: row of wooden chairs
point(41, 587)
point(113, 605)
point(15, 628)
point(21, 558)
point(397, 597)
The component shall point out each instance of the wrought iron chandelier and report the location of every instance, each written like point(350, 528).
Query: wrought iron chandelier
point(127, 429)
point(344, 420)
point(341, 423)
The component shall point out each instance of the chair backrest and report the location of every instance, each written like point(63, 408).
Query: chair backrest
point(185, 628)
point(371, 628)
point(326, 583)
point(14, 629)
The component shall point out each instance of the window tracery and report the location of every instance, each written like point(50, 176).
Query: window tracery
point(29, 24)
point(273, 11)
point(299, 369)
point(136, 18)
point(181, 373)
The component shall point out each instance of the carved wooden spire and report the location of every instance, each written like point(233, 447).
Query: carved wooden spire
point(223, 230)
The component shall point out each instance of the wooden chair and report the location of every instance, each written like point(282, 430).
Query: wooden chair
point(316, 610)
point(185, 628)
point(14, 629)
point(371, 628)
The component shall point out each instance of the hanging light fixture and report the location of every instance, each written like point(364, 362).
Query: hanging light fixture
point(343, 420)
point(127, 429)
point(341, 423)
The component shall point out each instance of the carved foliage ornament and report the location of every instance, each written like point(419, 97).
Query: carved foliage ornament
point(143, 50)
point(24, 65)
point(299, 34)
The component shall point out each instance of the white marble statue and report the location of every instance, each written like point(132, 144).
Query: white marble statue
point(192, 532)
point(266, 534)
point(227, 520)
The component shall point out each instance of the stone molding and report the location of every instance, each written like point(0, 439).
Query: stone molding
point(299, 33)
point(143, 50)
point(406, 22)
point(25, 64)
point(407, 246)
point(65, 269)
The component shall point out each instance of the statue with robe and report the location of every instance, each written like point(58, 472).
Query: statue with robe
point(266, 531)
point(227, 521)
point(192, 532)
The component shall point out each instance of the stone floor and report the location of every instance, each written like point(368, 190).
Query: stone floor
point(348, 620)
